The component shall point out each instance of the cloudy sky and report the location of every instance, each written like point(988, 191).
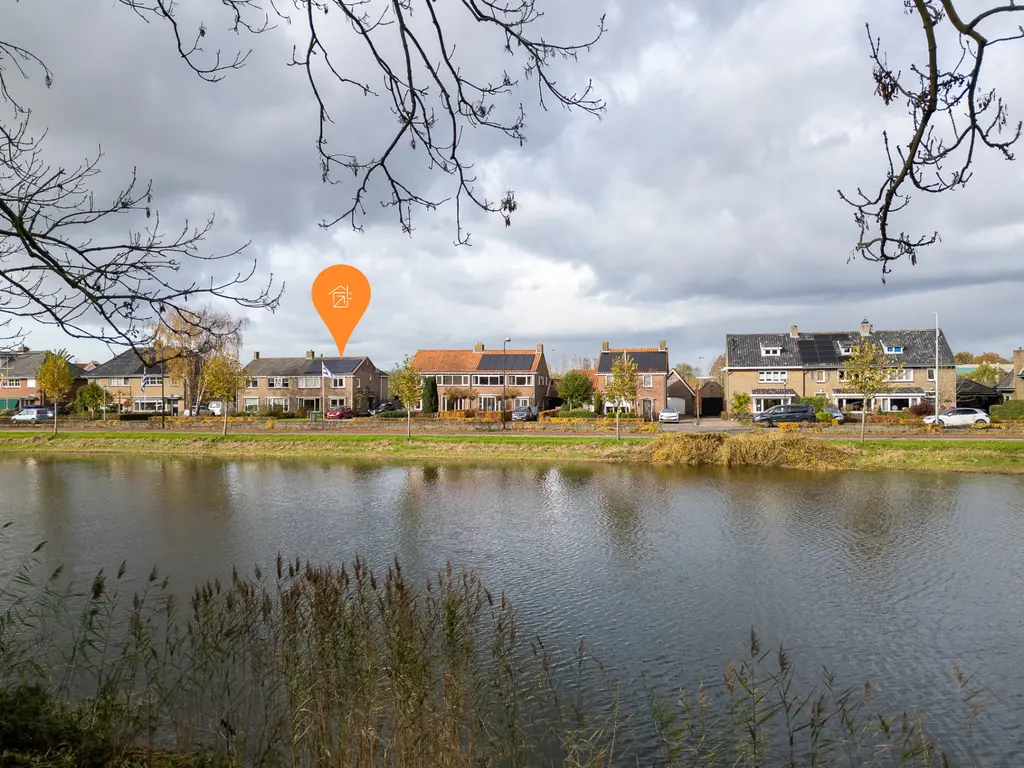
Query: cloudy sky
point(703, 202)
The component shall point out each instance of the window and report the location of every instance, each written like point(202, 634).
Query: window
point(903, 375)
point(891, 350)
point(453, 381)
point(488, 402)
point(276, 382)
point(820, 377)
point(117, 381)
point(147, 405)
point(336, 402)
point(647, 380)
point(520, 381)
point(772, 377)
point(771, 351)
point(337, 383)
point(487, 381)
point(277, 402)
point(522, 402)
point(931, 374)
point(252, 383)
point(310, 382)
point(542, 380)
point(152, 381)
point(845, 349)
point(12, 383)
point(841, 375)
point(356, 384)
point(250, 403)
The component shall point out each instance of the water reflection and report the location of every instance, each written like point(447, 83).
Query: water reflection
point(887, 576)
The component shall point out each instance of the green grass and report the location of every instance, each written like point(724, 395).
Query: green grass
point(983, 456)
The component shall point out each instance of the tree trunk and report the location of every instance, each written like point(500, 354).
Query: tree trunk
point(225, 430)
point(408, 423)
point(863, 419)
point(55, 419)
point(616, 423)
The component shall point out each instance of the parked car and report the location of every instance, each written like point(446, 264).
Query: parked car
point(390, 405)
point(668, 416)
point(836, 414)
point(525, 413)
point(33, 415)
point(780, 414)
point(960, 417)
point(343, 412)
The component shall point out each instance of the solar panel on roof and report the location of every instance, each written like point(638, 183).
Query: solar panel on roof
point(509, 362)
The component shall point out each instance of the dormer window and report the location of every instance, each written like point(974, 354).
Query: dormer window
point(891, 350)
point(845, 349)
point(771, 351)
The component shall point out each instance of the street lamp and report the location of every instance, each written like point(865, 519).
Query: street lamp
point(503, 377)
point(697, 395)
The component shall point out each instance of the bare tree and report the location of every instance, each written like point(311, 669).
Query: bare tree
point(55, 265)
point(953, 117)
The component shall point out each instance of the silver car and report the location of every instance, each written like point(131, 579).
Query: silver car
point(32, 415)
point(668, 416)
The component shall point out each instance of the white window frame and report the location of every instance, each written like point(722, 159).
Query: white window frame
point(252, 382)
point(12, 383)
point(138, 402)
point(336, 402)
point(771, 351)
point(521, 402)
point(893, 349)
point(520, 381)
point(277, 382)
point(846, 349)
point(772, 377)
point(150, 380)
point(487, 380)
point(904, 376)
point(250, 404)
point(842, 375)
point(821, 377)
point(931, 374)
point(310, 382)
point(338, 383)
point(117, 381)
point(274, 402)
point(481, 399)
point(647, 380)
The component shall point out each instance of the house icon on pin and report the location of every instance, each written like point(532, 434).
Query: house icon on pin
point(340, 297)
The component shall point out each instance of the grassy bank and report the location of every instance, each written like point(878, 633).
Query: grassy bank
point(300, 665)
point(700, 449)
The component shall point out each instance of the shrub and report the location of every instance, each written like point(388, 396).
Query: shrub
point(391, 415)
point(761, 450)
point(924, 408)
point(789, 426)
point(1011, 410)
point(577, 413)
point(819, 402)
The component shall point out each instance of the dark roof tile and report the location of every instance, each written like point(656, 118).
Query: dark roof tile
point(821, 350)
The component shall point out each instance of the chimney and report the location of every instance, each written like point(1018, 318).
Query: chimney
point(662, 345)
point(865, 327)
point(794, 332)
point(255, 355)
point(605, 346)
point(23, 348)
point(310, 355)
point(540, 349)
point(478, 348)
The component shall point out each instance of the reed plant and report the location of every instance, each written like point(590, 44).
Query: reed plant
point(337, 666)
point(760, 449)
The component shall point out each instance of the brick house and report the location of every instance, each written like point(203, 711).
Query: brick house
point(776, 369)
point(296, 383)
point(19, 384)
point(473, 379)
point(652, 373)
point(137, 387)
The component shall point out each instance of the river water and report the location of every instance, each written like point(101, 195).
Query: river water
point(891, 577)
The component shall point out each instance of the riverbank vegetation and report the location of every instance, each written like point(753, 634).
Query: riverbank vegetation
point(341, 665)
point(759, 449)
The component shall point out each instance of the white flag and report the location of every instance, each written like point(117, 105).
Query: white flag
point(324, 371)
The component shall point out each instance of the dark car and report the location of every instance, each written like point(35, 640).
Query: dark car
point(344, 412)
point(780, 414)
point(385, 407)
point(525, 413)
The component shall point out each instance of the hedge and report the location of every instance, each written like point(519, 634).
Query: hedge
point(1011, 410)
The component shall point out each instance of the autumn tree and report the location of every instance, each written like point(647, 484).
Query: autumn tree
point(576, 389)
point(869, 373)
point(55, 380)
point(953, 118)
point(963, 358)
point(621, 389)
point(183, 346)
point(986, 374)
point(90, 397)
point(740, 405)
point(717, 370)
point(404, 383)
point(687, 371)
point(222, 378)
point(990, 357)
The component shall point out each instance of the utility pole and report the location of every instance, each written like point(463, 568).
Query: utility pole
point(504, 375)
point(936, 367)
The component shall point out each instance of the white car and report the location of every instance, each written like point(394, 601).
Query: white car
point(668, 415)
point(32, 415)
point(959, 417)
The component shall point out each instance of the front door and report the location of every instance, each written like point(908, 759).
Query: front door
point(647, 408)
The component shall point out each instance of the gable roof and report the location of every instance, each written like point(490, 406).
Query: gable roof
point(1006, 381)
point(125, 365)
point(965, 386)
point(821, 350)
point(647, 359)
point(302, 366)
point(428, 361)
point(25, 365)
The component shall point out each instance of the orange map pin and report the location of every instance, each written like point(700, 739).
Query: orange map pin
point(341, 294)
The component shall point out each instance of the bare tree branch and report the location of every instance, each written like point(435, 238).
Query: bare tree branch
point(952, 118)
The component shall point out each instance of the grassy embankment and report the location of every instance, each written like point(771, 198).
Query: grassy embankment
point(703, 449)
point(308, 666)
